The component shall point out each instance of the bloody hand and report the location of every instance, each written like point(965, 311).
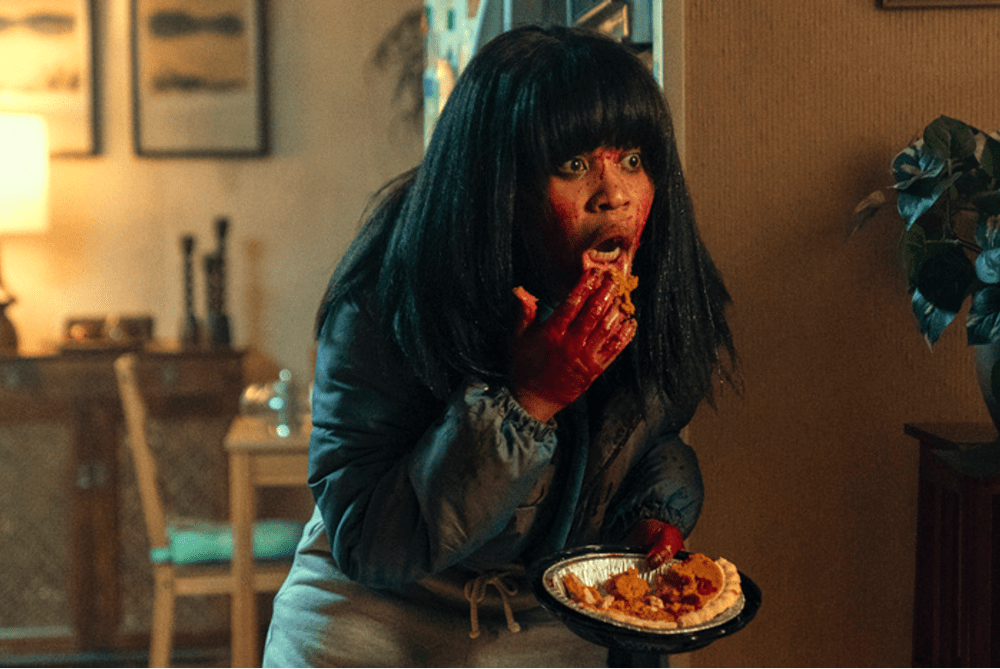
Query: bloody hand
point(660, 540)
point(556, 360)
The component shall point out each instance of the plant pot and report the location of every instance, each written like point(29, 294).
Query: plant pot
point(988, 375)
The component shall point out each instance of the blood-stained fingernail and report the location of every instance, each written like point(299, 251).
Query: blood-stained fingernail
point(612, 320)
point(629, 329)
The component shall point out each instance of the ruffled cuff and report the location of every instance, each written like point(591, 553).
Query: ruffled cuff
point(666, 486)
point(499, 399)
point(680, 510)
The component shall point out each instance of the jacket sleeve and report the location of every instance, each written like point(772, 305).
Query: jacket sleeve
point(665, 483)
point(408, 485)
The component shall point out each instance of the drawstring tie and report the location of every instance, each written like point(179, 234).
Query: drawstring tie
point(475, 592)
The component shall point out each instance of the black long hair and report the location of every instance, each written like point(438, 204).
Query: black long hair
point(444, 244)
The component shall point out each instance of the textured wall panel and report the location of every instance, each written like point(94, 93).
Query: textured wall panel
point(34, 588)
point(794, 110)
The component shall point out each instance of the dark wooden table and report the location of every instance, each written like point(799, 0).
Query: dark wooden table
point(956, 613)
point(77, 391)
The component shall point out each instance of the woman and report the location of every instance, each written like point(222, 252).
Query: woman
point(483, 397)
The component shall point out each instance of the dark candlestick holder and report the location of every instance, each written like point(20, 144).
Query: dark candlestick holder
point(190, 327)
point(215, 273)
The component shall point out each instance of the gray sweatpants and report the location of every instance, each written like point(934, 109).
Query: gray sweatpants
point(321, 619)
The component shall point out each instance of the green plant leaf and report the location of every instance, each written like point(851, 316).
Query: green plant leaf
point(940, 275)
point(988, 233)
point(920, 180)
point(947, 182)
point(988, 260)
point(912, 206)
point(931, 319)
point(915, 252)
point(987, 202)
point(913, 245)
point(946, 276)
point(915, 162)
point(866, 209)
point(937, 137)
point(950, 138)
point(988, 266)
point(983, 324)
point(937, 266)
point(990, 158)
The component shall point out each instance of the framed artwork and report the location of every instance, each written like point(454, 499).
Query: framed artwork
point(610, 17)
point(199, 78)
point(47, 67)
point(893, 4)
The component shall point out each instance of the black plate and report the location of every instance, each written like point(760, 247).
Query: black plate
point(614, 636)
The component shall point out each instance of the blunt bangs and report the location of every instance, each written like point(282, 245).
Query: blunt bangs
point(593, 94)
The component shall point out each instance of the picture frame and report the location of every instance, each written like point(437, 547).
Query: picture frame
point(199, 78)
point(48, 67)
point(610, 17)
point(928, 4)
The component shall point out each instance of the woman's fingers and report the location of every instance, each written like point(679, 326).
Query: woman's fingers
point(579, 298)
point(595, 315)
point(604, 346)
point(598, 306)
point(618, 340)
point(529, 309)
point(556, 360)
point(599, 331)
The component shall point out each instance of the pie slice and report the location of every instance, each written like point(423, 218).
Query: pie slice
point(699, 588)
point(691, 592)
point(624, 285)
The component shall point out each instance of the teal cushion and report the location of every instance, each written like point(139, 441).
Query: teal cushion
point(213, 542)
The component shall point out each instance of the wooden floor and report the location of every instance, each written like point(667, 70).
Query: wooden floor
point(195, 657)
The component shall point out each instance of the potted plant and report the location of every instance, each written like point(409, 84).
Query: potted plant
point(947, 191)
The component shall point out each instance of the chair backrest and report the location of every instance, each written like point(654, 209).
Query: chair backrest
point(145, 464)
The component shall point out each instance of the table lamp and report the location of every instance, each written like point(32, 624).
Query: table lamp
point(24, 194)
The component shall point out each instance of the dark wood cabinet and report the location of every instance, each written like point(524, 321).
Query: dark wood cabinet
point(956, 611)
point(72, 544)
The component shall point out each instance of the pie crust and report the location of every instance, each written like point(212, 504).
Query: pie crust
point(628, 585)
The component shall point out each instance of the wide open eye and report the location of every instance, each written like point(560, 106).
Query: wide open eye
point(632, 161)
point(575, 166)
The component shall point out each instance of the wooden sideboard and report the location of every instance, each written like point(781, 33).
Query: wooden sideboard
point(956, 608)
point(72, 543)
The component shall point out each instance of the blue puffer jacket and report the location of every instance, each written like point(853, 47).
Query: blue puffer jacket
point(409, 486)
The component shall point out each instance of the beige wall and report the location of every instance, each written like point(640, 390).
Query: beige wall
point(114, 244)
point(794, 111)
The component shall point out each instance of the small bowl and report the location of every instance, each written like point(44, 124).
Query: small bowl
point(593, 565)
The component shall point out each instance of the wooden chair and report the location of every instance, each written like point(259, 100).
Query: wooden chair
point(172, 579)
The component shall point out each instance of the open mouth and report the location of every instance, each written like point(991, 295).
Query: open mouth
point(607, 251)
point(612, 250)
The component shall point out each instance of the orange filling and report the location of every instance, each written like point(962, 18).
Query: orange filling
point(624, 285)
point(686, 587)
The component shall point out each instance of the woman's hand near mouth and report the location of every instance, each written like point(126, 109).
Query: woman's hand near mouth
point(554, 361)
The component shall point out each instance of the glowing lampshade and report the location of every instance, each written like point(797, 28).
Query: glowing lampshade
point(24, 194)
point(24, 174)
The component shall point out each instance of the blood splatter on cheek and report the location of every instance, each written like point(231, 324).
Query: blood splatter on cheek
point(644, 204)
point(564, 211)
point(567, 203)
